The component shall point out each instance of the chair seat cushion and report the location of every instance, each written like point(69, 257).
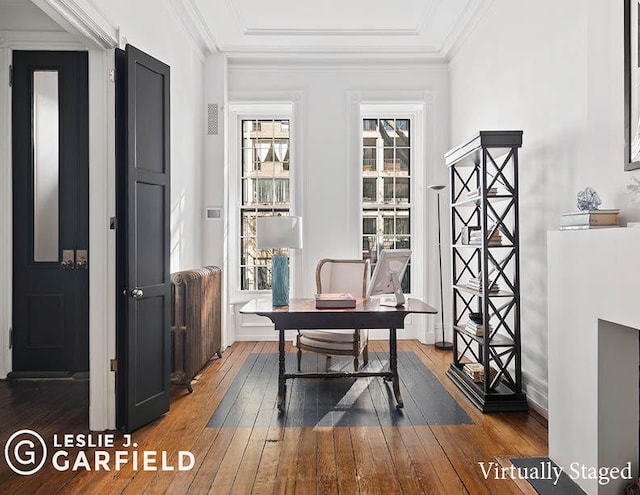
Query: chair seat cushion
point(331, 340)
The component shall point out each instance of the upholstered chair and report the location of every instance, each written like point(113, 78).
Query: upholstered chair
point(338, 276)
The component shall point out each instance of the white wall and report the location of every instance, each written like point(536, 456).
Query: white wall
point(155, 28)
point(329, 94)
point(553, 69)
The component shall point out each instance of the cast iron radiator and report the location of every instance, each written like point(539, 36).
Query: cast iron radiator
point(195, 321)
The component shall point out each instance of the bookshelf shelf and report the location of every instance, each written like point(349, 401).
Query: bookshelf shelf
point(487, 162)
point(497, 340)
point(472, 202)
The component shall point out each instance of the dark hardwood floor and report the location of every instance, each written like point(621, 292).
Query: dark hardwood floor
point(385, 456)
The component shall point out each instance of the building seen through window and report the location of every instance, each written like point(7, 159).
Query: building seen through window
point(265, 191)
point(386, 188)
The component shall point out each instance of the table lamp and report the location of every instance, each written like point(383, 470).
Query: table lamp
point(279, 233)
point(441, 344)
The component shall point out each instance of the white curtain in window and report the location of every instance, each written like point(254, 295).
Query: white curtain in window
point(263, 150)
point(280, 150)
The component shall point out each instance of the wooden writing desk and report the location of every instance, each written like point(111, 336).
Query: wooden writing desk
point(301, 314)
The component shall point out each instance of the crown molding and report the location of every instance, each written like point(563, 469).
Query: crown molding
point(326, 60)
point(196, 27)
point(84, 18)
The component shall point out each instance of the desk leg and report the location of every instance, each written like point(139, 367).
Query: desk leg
point(393, 364)
point(282, 385)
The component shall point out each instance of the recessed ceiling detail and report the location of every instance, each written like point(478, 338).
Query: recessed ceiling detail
point(374, 27)
point(331, 17)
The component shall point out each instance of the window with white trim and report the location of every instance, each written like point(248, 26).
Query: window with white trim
point(386, 188)
point(265, 191)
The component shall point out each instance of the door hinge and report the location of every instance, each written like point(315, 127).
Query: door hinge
point(112, 75)
point(114, 365)
point(10, 76)
point(113, 223)
point(10, 338)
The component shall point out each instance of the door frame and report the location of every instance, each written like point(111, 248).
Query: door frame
point(99, 38)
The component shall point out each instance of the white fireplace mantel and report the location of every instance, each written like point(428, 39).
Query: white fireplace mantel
point(594, 317)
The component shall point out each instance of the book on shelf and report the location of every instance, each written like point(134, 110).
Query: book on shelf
point(465, 233)
point(491, 242)
point(476, 284)
point(335, 301)
point(476, 328)
point(590, 217)
point(587, 227)
point(477, 193)
point(475, 371)
point(494, 237)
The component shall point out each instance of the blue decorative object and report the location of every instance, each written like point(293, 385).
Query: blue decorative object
point(588, 199)
point(280, 280)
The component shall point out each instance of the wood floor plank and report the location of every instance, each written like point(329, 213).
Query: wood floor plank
point(346, 471)
point(248, 468)
point(327, 482)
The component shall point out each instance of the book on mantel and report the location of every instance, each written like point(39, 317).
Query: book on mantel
point(335, 301)
point(589, 219)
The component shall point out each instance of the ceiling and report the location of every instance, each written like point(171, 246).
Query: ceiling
point(22, 15)
point(393, 29)
point(373, 27)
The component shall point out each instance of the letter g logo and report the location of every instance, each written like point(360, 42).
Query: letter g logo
point(22, 453)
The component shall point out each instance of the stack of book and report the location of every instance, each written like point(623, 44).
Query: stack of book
point(493, 238)
point(477, 193)
point(475, 283)
point(476, 329)
point(335, 301)
point(589, 219)
point(476, 371)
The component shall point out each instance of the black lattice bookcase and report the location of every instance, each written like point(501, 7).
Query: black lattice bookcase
point(485, 264)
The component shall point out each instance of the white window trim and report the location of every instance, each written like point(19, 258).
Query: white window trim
point(416, 114)
point(238, 111)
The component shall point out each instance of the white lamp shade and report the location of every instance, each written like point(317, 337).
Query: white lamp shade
point(279, 232)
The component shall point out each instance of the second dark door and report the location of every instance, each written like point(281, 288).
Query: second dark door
point(50, 132)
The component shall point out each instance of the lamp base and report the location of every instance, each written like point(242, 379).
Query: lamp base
point(443, 345)
point(280, 280)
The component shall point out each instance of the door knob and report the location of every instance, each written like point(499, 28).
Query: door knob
point(136, 293)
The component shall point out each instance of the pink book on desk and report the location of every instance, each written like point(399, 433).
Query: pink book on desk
point(333, 301)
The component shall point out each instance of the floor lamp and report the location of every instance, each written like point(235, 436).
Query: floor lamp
point(441, 344)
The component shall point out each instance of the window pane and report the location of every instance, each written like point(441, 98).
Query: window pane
point(369, 160)
point(369, 190)
point(370, 125)
point(402, 159)
point(403, 225)
point(369, 225)
point(388, 189)
point(387, 133)
point(402, 190)
point(281, 191)
point(402, 132)
point(46, 166)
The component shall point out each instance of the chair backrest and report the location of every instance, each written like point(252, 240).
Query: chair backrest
point(350, 276)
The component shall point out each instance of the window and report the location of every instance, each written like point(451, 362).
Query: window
point(386, 188)
point(264, 183)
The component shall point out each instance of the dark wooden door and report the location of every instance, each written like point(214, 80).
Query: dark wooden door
point(143, 209)
point(50, 132)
